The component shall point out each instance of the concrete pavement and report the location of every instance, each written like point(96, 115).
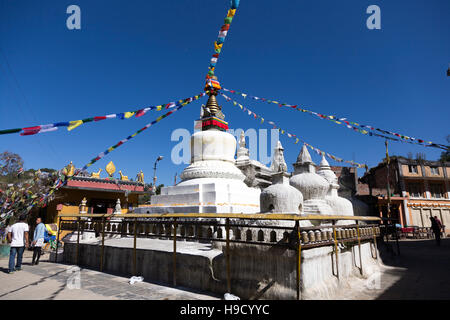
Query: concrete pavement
point(420, 272)
point(54, 281)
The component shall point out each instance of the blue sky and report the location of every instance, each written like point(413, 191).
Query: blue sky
point(131, 54)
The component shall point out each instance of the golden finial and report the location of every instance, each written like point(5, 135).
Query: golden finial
point(110, 168)
point(212, 108)
point(70, 169)
point(212, 104)
point(140, 177)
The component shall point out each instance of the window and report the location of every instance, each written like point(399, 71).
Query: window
point(434, 170)
point(436, 190)
point(415, 190)
point(412, 168)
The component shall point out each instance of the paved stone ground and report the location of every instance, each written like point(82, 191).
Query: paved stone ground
point(420, 272)
point(49, 281)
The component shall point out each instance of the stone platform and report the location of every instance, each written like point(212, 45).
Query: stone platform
point(257, 272)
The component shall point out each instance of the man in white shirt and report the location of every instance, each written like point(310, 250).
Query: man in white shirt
point(18, 237)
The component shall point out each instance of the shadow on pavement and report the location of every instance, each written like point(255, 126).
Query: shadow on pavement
point(426, 274)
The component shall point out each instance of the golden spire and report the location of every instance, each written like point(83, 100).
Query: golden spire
point(212, 104)
point(212, 108)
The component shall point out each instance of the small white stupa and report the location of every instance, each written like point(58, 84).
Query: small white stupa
point(280, 197)
point(313, 187)
point(340, 206)
point(211, 183)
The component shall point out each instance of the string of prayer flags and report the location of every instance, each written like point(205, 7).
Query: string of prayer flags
point(121, 142)
point(27, 131)
point(218, 44)
point(291, 135)
point(361, 128)
point(62, 180)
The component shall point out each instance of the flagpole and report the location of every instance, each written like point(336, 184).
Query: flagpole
point(388, 182)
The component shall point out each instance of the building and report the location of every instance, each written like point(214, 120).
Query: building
point(419, 188)
point(101, 194)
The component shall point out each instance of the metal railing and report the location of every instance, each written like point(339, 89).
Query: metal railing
point(216, 227)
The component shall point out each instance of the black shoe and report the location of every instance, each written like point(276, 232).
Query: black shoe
point(37, 262)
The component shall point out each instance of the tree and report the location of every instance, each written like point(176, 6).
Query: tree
point(158, 188)
point(420, 157)
point(21, 191)
point(10, 163)
point(445, 155)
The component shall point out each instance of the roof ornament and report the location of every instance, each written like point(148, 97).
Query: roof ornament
point(110, 169)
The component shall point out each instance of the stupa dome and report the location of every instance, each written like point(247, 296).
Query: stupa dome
point(281, 198)
point(305, 178)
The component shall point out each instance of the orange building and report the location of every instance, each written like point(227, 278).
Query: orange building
point(419, 189)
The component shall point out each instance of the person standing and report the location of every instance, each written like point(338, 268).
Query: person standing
point(38, 241)
point(18, 237)
point(435, 227)
point(441, 226)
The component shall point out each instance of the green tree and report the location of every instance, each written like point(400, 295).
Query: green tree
point(445, 155)
point(10, 164)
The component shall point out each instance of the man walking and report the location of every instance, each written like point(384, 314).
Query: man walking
point(38, 241)
point(436, 228)
point(18, 237)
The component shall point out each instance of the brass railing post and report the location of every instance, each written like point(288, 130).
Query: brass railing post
point(78, 241)
point(336, 249)
point(103, 244)
point(227, 253)
point(134, 246)
point(375, 242)
point(57, 239)
point(396, 239)
point(299, 258)
point(359, 247)
point(174, 252)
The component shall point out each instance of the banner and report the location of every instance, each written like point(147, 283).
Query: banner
point(223, 32)
point(9, 204)
point(291, 135)
point(76, 123)
point(350, 124)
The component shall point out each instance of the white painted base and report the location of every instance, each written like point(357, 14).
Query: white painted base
point(205, 195)
point(317, 206)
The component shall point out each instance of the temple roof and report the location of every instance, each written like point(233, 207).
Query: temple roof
point(104, 184)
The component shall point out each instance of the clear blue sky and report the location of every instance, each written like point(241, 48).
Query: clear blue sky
point(130, 54)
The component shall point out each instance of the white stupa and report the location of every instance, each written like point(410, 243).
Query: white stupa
point(340, 206)
point(280, 197)
point(211, 183)
point(313, 187)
